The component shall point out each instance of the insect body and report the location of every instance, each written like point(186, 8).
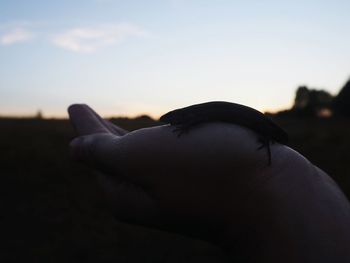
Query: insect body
point(186, 118)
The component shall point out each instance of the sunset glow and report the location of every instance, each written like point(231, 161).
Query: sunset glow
point(148, 57)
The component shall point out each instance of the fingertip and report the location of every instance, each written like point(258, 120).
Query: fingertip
point(76, 142)
point(73, 108)
point(84, 120)
point(76, 148)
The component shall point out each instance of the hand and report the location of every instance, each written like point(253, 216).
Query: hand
point(213, 183)
point(186, 184)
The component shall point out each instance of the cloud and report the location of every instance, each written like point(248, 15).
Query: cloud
point(15, 35)
point(89, 39)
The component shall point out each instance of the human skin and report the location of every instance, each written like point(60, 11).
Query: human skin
point(212, 183)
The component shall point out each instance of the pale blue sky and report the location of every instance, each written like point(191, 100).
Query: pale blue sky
point(127, 57)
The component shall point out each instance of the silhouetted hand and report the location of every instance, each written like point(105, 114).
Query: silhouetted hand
point(214, 184)
point(154, 177)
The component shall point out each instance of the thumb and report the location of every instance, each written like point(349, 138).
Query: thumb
point(99, 151)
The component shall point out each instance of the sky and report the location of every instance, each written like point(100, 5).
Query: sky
point(132, 57)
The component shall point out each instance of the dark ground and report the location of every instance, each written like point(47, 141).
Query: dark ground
point(52, 210)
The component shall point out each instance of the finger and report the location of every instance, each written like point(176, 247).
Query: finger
point(129, 202)
point(84, 121)
point(99, 151)
point(107, 124)
point(115, 129)
point(106, 153)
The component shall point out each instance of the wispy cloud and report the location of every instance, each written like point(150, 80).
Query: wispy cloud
point(89, 39)
point(15, 35)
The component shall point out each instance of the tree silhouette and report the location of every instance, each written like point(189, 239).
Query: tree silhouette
point(39, 114)
point(310, 102)
point(341, 104)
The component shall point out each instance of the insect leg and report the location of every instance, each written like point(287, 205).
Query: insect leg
point(265, 142)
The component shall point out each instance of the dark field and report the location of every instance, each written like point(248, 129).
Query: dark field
point(53, 211)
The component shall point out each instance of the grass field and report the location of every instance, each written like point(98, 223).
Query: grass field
point(52, 210)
